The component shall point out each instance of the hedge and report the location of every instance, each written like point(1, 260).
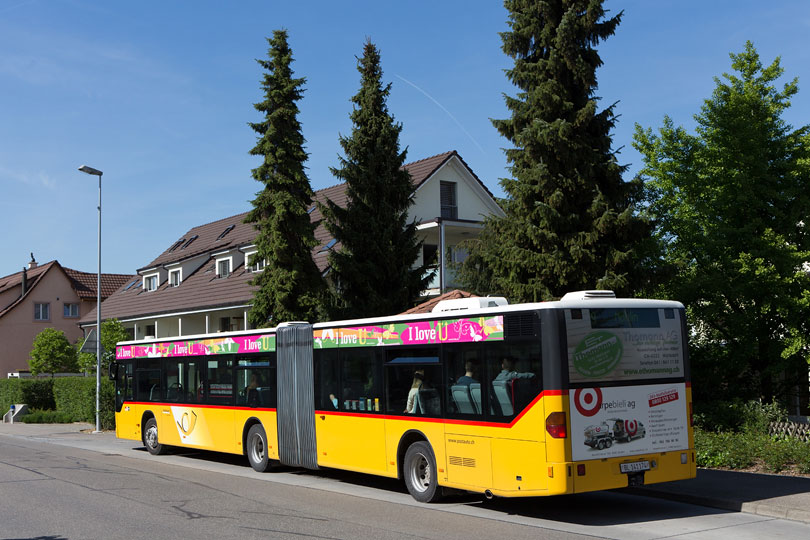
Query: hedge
point(76, 396)
point(71, 396)
point(36, 393)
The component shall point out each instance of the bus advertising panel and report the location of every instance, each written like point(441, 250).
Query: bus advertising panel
point(623, 344)
point(628, 420)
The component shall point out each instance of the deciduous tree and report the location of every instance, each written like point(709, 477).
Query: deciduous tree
point(52, 353)
point(732, 203)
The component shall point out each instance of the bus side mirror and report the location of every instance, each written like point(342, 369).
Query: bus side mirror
point(113, 371)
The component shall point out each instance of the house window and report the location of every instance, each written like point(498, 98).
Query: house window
point(223, 268)
point(254, 264)
point(150, 283)
point(447, 195)
point(42, 312)
point(430, 254)
point(150, 331)
point(174, 278)
point(71, 311)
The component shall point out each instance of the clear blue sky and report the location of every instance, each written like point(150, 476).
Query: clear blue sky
point(158, 96)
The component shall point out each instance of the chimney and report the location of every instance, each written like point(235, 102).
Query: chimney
point(33, 263)
point(24, 281)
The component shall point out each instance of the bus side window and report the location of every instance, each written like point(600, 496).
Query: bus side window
point(220, 382)
point(327, 382)
point(361, 378)
point(414, 379)
point(516, 377)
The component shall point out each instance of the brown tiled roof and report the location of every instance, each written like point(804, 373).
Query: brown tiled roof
point(15, 280)
point(85, 282)
point(203, 289)
point(427, 307)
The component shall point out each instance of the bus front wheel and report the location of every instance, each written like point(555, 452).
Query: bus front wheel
point(420, 473)
point(257, 448)
point(150, 438)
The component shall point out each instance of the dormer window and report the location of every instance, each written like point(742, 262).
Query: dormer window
point(223, 268)
point(150, 283)
point(254, 264)
point(175, 277)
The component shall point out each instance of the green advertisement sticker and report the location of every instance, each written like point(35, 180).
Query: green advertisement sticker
point(597, 354)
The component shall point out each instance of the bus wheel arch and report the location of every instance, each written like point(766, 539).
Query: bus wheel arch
point(408, 438)
point(420, 472)
point(256, 447)
point(151, 437)
point(249, 423)
point(145, 418)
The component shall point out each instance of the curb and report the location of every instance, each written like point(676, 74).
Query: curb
point(757, 508)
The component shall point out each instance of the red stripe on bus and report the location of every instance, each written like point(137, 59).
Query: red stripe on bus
point(198, 406)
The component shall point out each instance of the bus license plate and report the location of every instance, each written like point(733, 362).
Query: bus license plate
point(635, 466)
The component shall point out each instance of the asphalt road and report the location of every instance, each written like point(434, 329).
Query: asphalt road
point(60, 491)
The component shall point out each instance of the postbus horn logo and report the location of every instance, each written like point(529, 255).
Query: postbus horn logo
point(588, 401)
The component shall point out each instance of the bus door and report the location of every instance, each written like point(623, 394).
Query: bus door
point(124, 395)
point(296, 396)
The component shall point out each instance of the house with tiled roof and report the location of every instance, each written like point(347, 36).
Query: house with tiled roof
point(45, 296)
point(201, 282)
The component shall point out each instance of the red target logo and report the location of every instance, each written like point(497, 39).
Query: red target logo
point(631, 427)
point(588, 401)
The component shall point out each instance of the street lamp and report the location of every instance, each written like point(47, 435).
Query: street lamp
point(96, 172)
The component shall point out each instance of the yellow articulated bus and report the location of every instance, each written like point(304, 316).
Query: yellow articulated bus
point(587, 393)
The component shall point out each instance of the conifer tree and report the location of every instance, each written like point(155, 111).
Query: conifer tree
point(290, 286)
point(372, 264)
point(570, 219)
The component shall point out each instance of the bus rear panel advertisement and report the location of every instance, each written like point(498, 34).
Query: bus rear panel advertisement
point(550, 398)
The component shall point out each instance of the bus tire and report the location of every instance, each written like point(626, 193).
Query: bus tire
point(150, 438)
point(420, 473)
point(256, 448)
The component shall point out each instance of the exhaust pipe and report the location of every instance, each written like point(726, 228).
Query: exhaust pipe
point(488, 494)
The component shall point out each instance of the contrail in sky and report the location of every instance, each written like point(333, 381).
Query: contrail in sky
point(442, 107)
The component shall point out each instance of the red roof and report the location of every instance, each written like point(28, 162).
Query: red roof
point(427, 307)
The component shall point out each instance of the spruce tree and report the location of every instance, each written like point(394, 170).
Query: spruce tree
point(290, 286)
point(570, 219)
point(372, 264)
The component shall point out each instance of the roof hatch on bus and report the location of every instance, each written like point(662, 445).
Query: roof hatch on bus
point(588, 295)
point(469, 304)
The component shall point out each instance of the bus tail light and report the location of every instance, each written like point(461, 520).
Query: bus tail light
point(580, 469)
point(691, 418)
point(555, 425)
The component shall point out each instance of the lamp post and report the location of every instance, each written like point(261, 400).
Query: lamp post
point(96, 172)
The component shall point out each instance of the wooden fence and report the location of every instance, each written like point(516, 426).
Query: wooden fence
point(790, 429)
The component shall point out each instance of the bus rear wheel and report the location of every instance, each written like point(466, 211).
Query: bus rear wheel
point(256, 448)
point(150, 438)
point(419, 471)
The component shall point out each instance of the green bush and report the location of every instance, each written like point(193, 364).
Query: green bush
point(36, 393)
point(76, 396)
point(46, 417)
point(744, 449)
point(735, 416)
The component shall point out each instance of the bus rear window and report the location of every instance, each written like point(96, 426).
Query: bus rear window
point(623, 344)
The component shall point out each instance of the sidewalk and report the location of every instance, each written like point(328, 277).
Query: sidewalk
point(768, 495)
